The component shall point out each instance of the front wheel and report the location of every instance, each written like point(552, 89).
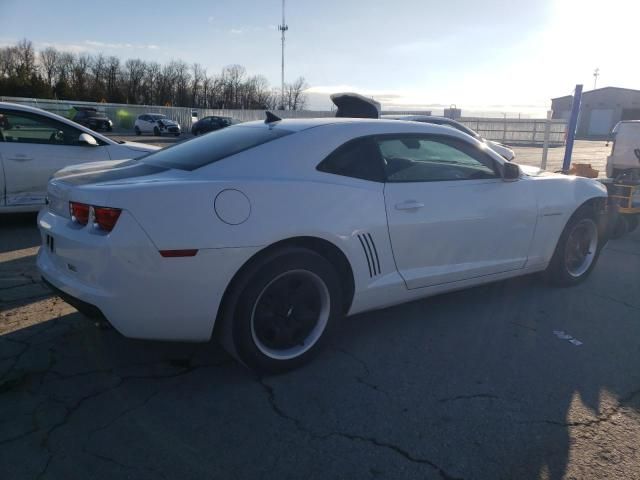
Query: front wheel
point(138, 132)
point(284, 310)
point(156, 131)
point(576, 253)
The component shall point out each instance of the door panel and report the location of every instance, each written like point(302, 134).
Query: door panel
point(28, 167)
point(451, 216)
point(34, 148)
point(459, 229)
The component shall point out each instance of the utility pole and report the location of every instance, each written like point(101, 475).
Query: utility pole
point(283, 28)
point(596, 74)
point(573, 124)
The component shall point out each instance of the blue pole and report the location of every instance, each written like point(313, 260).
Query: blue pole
point(573, 124)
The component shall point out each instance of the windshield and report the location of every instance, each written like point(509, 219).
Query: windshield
point(159, 117)
point(214, 146)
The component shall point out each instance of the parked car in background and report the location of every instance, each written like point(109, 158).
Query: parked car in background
point(210, 124)
point(500, 148)
point(156, 124)
point(268, 233)
point(34, 144)
point(91, 118)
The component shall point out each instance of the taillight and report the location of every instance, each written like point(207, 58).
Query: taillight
point(106, 218)
point(79, 212)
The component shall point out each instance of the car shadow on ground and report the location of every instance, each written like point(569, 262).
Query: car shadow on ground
point(473, 384)
point(24, 233)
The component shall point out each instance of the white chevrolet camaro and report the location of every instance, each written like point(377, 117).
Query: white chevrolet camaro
point(265, 234)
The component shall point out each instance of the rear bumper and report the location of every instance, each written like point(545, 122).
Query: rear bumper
point(83, 307)
point(122, 277)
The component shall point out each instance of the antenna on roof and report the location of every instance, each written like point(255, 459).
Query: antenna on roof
point(271, 118)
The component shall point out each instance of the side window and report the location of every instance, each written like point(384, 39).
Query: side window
point(413, 158)
point(359, 158)
point(29, 128)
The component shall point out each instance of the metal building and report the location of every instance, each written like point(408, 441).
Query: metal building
point(601, 109)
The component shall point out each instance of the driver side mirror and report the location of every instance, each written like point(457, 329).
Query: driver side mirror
point(87, 140)
point(510, 172)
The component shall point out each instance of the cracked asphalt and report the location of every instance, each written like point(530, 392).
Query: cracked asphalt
point(470, 385)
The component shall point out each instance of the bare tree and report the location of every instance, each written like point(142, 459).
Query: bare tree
point(80, 74)
point(198, 75)
point(8, 61)
point(25, 59)
point(182, 80)
point(295, 98)
point(151, 82)
point(49, 63)
point(112, 79)
point(135, 70)
point(61, 74)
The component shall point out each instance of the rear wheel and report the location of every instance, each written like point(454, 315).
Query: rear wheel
point(285, 307)
point(576, 253)
point(156, 132)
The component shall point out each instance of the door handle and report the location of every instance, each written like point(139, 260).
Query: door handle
point(21, 157)
point(409, 205)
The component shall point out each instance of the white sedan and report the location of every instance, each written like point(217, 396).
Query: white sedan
point(497, 147)
point(34, 144)
point(265, 234)
point(156, 124)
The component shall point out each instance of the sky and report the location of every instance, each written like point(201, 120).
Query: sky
point(495, 55)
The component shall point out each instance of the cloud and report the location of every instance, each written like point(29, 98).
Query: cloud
point(211, 19)
point(120, 46)
point(413, 47)
point(64, 47)
point(236, 31)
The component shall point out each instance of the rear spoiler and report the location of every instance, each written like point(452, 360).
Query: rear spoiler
point(354, 105)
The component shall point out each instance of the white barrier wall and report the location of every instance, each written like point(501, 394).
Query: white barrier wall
point(506, 130)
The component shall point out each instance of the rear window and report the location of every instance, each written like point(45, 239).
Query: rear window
point(212, 147)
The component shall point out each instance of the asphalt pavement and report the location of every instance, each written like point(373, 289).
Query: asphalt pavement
point(513, 380)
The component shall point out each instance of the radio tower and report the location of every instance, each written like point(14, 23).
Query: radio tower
point(283, 28)
point(596, 74)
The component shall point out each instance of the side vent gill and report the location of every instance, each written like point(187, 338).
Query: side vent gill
point(370, 253)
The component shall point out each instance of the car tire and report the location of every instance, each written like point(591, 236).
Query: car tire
point(138, 132)
point(574, 257)
point(177, 134)
point(282, 310)
point(157, 132)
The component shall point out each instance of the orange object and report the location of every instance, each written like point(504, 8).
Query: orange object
point(584, 170)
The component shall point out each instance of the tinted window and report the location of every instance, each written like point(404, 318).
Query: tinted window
point(220, 144)
point(413, 158)
point(23, 127)
point(358, 158)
